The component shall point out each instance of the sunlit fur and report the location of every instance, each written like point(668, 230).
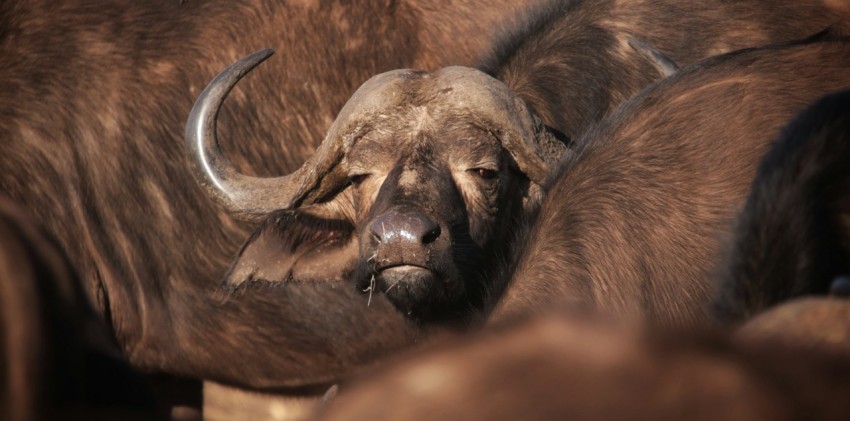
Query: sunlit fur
point(572, 63)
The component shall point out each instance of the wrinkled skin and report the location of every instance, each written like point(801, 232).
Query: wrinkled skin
point(415, 188)
point(455, 192)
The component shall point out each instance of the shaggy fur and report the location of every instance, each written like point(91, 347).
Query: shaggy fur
point(572, 63)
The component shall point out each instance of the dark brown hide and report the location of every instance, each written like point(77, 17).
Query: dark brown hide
point(635, 223)
point(562, 369)
point(793, 236)
point(573, 61)
point(57, 359)
point(93, 99)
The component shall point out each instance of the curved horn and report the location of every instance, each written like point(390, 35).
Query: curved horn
point(244, 196)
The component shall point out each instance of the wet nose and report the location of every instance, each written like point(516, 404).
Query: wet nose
point(404, 228)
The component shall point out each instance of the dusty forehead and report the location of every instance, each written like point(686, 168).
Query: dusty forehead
point(406, 105)
point(450, 88)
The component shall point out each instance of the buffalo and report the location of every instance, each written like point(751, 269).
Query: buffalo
point(93, 101)
point(788, 361)
point(90, 117)
point(429, 243)
point(634, 224)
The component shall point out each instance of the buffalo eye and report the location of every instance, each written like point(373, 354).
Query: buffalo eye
point(355, 180)
point(485, 173)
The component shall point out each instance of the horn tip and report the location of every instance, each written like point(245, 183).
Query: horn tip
point(264, 53)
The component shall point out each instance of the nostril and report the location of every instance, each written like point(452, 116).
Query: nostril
point(431, 235)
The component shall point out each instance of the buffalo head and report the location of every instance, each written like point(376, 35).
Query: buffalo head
point(414, 192)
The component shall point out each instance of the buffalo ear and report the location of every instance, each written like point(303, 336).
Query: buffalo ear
point(293, 245)
point(665, 65)
point(552, 145)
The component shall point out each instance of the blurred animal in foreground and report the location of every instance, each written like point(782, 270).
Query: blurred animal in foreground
point(93, 100)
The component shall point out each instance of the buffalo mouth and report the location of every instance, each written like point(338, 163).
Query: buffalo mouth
point(405, 279)
point(413, 289)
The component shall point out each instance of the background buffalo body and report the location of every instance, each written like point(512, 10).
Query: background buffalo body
point(575, 61)
point(635, 223)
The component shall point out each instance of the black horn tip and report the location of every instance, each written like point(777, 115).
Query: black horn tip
point(249, 62)
point(261, 55)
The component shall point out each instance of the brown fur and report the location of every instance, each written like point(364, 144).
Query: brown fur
point(92, 109)
point(634, 223)
point(571, 61)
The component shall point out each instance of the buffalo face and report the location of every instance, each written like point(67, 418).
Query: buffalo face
point(413, 192)
point(430, 197)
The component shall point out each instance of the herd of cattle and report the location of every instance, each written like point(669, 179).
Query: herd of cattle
point(586, 209)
